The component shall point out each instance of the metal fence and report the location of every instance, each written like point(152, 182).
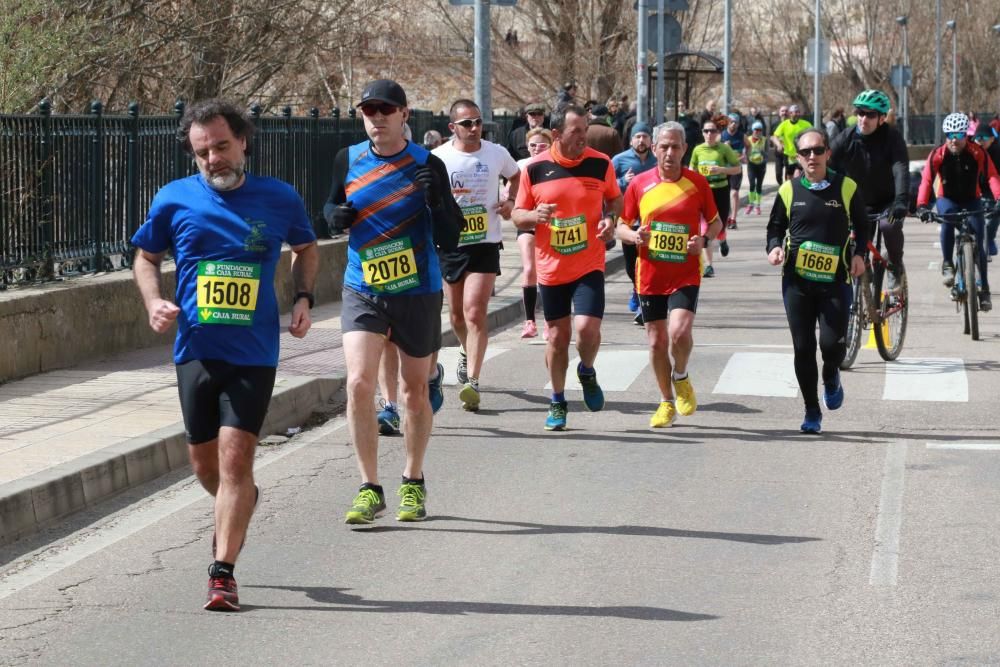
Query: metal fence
point(74, 188)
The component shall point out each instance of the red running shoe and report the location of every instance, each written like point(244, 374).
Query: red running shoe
point(222, 595)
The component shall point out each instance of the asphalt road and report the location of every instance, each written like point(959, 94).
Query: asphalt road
point(729, 539)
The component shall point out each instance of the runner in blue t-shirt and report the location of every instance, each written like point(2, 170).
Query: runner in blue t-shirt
point(734, 136)
point(224, 228)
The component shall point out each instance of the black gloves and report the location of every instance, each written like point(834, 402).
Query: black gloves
point(899, 212)
point(925, 214)
point(342, 218)
point(429, 180)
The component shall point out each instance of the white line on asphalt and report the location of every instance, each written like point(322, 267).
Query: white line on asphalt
point(971, 446)
point(933, 266)
point(616, 369)
point(53, 558)
point(885, 558)
point(926, 379)
point(746, 345)
point(937, 244)
point(448, 357)
point(758, 374)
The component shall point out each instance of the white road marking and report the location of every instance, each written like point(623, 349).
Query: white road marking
point(926, 379)
point(616, 369)
point(937, 244)
point(750, 346)
point(970, 446)
point(448, 357)
point(51, 559)
point(885, 558)
point(933, 266)
point(758, 374)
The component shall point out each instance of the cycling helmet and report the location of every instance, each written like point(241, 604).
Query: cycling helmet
point(873, 99)
point(955, 122)
point(757, 125)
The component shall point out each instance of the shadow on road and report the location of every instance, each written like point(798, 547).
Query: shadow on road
point(523, 528)
point(348, 602)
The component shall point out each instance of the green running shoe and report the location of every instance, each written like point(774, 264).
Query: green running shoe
point(556, 419)
point(368, 504)
point(411, 507)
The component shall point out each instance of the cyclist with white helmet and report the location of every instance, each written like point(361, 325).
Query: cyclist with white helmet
point(959, 163)
point(873, 154)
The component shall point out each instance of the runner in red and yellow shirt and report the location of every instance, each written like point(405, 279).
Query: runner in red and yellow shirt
point(669, 202)
point(569, 195)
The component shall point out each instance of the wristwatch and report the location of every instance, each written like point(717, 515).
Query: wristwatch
point(304, 295)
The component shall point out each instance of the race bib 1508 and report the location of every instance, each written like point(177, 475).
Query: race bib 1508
point(227, 292)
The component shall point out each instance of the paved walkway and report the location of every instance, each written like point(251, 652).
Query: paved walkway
point(71, 438)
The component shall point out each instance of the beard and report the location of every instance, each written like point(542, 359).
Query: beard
point(225, 180)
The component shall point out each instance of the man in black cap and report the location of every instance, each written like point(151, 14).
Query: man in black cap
point(394, 197)
point(600, 135)
point(517, 144)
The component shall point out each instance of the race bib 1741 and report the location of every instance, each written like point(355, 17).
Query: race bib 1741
point(568, 235)
point(227, 292)
point(668, 242)
point(476, 224)
point(390, 267)
point(817, 261)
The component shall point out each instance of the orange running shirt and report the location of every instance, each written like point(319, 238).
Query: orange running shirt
point(674, 211)
point(567, 248)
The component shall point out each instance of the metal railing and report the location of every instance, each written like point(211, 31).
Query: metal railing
point(75, 188)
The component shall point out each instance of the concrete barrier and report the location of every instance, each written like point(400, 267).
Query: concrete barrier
point(66, 323)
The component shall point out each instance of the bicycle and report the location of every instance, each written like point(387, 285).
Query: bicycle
point(874, 305)
point(965, 291)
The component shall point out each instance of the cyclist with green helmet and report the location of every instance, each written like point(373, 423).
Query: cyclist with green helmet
point(873, 154)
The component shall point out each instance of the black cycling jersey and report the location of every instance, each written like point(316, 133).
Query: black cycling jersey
point(878, 163)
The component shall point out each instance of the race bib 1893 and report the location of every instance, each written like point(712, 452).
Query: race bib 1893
point(227, 292)
point(476, 223)
point(668, 242)
point(817, 261)
point(390, 266)
point(568, 235)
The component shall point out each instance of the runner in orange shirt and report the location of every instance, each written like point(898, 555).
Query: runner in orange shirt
point(569, 195)
point(669, 203)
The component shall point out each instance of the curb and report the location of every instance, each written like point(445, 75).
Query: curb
point(29, 504)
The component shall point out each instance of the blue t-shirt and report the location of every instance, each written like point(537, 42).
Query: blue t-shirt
point(226, 246)
point(391, 247)
point(734, 140)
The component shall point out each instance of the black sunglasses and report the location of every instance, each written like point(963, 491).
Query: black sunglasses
point(708, 130)
point(812, 150)
point(384, 108)
point(469, 123)
point(866, 114)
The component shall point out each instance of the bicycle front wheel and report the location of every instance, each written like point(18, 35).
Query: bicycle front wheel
point(891, 314)
point(971, 291)
point(855, 323)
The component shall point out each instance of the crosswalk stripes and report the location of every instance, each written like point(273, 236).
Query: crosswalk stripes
point(758, 374)
point(766, 374)
point(926, 379)
point(616, 369)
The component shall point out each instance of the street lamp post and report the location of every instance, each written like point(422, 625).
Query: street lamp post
point(954, 65)
point(902, 21)
point(937, 73)
point(996, 29)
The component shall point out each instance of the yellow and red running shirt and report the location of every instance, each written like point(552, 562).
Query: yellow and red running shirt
point(567, 248)
point(674, 211)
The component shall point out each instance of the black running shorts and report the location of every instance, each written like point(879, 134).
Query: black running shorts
point(658, 306)
point(583, 296)
point(217, 393)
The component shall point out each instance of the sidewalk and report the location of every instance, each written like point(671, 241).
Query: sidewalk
point(74, 437)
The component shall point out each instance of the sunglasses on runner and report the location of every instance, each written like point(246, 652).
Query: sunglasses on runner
point(385, 109)
point(469, 123)
point(955, 136)
point(812, 150)
point(864, 113)
point(709, 131)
